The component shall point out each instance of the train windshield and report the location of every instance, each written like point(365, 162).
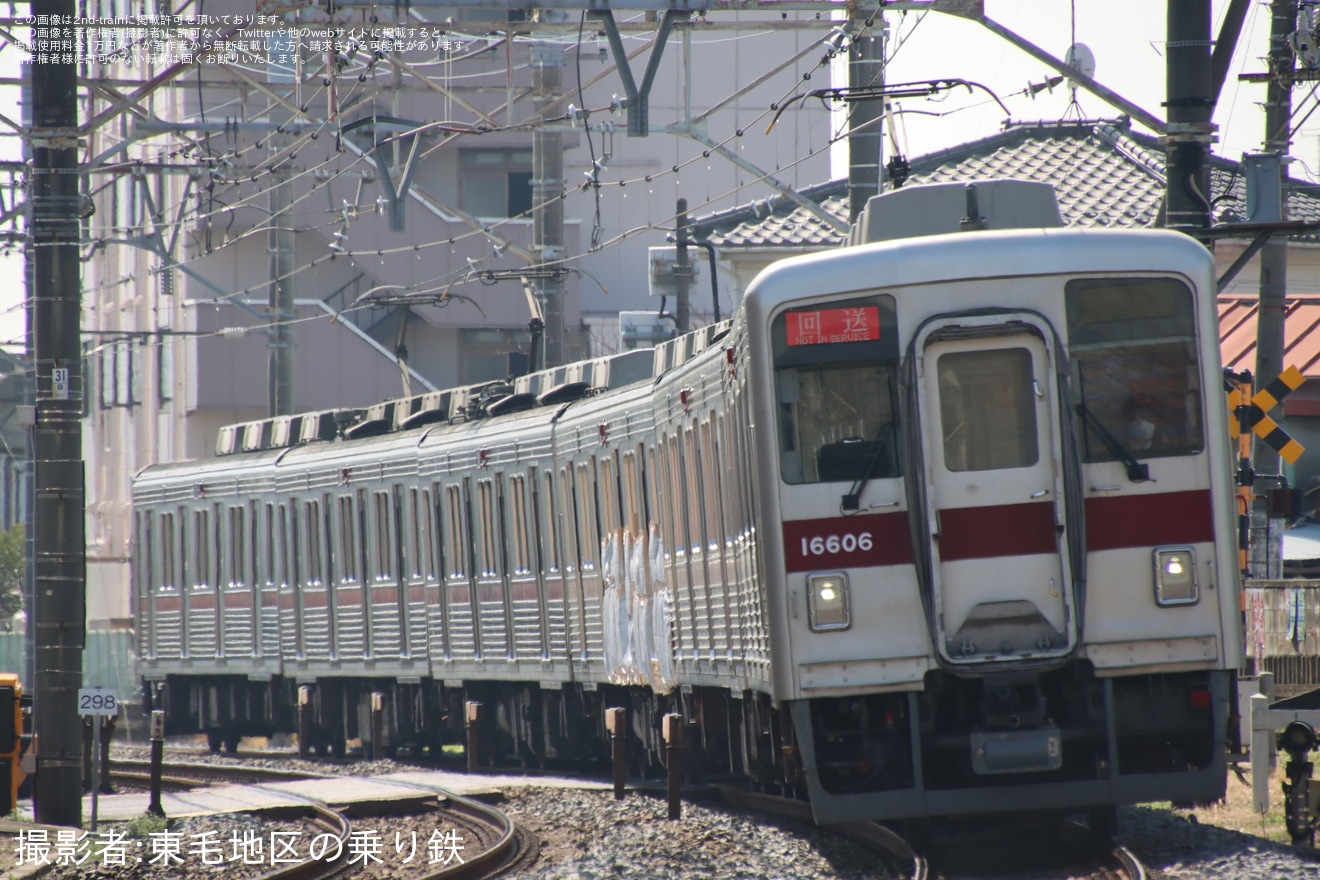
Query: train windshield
point(836, 368)
point(1135, 369)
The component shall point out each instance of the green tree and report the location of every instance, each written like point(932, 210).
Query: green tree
point(12, 570)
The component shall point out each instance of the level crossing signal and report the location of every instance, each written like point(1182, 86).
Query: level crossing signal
point(1252, 415)
point(11, 741)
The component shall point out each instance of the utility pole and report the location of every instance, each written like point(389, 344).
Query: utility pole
point(30, 401)
point(281, 245)
point(61, 546)
point(1266, 542)
point(1190, 101)
point(547, 189)
point(866, 69)
point(682, 317)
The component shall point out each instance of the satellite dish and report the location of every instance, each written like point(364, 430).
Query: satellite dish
point(1080, 56)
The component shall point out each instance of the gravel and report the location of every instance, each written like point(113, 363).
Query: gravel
point(585, 835)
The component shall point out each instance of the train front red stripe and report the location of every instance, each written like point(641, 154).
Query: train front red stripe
point(1000, 530)
point(1146, 520)
point(847, 542)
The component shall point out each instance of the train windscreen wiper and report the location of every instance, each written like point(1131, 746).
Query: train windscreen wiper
point(853, 499)
point(1136, 471)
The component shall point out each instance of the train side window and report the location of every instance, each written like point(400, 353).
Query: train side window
point(455, 551)
point(633, 514)
point(711, 485)
point(587, 522)
point(521, 557)
point(836, 391)
point(262, 554)
point(313, 535)
point(282, 537)
point(144, 551)
point(550, 545)
point(566, 517)
point(271, 574)
point(694, 474)
point(348, 555)
point(202, 541)
point(217, 548)
point(237, 551)
point(1135, 366)
point(183, 547)
point(427, 536)
point(486, 535)
point(168, 572)
point(608, 489)
point(674, 497)
point(382, 549)
point(414, 533)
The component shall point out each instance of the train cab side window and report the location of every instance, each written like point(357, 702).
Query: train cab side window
point(836, 391)
point(1135, 367)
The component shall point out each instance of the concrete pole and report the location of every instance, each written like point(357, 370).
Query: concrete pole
point(281, 246)
point(1190, 99)
point(547, 189)
point(866, 68)
point(1267, 536)
point(61, 545)
point(682, 310)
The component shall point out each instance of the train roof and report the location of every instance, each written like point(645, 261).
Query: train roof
point(961, 256)
point(340, 432)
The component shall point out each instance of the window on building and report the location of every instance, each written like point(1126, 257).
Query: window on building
point(496, 182)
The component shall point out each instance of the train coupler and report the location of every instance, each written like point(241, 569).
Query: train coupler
point(1301, 793)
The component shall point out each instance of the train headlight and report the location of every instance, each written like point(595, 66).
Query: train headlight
point(827, 601)
point(1175, 576)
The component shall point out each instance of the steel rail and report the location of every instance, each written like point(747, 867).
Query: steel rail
point(871, 835)
point(490, 860)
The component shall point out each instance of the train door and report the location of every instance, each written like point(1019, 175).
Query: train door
point(1000, 573)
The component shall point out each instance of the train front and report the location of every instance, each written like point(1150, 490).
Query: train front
point(1000, 546)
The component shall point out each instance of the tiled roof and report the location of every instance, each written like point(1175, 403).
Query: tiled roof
point(1237, 332)
point(1104, 174)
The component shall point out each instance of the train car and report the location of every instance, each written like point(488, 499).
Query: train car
point(938, 524)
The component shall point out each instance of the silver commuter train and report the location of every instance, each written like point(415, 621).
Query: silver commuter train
point(933, 526)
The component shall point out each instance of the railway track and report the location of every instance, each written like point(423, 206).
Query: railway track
point(882, 841)
point(500, 846)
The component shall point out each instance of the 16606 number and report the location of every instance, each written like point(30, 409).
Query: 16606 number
point(820, 545)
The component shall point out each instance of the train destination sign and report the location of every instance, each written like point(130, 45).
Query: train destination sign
point(858, 324)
